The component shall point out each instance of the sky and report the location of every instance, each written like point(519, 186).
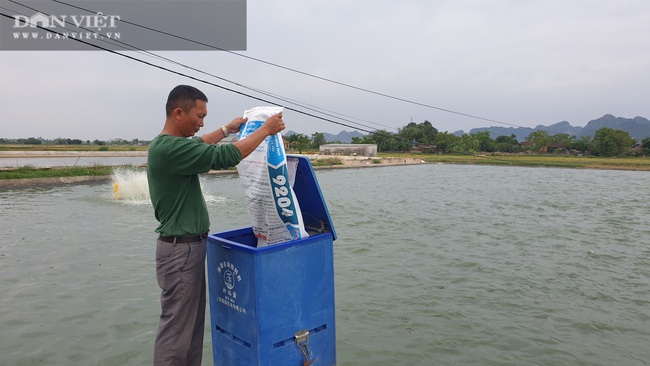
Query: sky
point(458, 64)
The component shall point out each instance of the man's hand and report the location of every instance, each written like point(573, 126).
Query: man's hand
point(271, 126)
point(274, 124)
point(235, 125)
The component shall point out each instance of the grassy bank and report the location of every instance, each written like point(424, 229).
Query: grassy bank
point(640, 164)
point(28, 172)
point(584, 162)
point(10, 147)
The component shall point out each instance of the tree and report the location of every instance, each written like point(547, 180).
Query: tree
point(582, 144)
point(560, 142)
point(540, 140)
point(645, 146)
point(444, 141)
point(485, 143)
point(411, 133)
point(610, 142)
point(33, 141)
point(429, 132)
point(465, 144)
point(507, 144)
point(383, 139)
point(317, 139)
point(298, 141)
point(418, 133)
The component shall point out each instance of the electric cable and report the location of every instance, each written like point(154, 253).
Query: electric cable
point(382, 134)
point(284, 99)
point(310, 75)
point(302, 105)
point(303, 72)
point(305, 106)
point(200, 80)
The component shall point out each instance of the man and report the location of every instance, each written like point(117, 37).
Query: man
point(173, 163)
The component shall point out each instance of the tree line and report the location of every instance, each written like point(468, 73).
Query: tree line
point(67, 141)
point(423, 137)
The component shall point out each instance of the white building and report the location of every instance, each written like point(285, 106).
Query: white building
point(369, 150)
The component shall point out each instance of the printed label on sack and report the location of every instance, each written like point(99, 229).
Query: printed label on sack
point(272, 205)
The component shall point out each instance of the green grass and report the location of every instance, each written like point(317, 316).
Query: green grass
point(28, 172)
point(587, 162)
point(16, 147)
point(327, 162)
point(622, 163)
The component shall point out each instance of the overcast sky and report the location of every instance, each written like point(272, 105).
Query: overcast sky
point(518, 62)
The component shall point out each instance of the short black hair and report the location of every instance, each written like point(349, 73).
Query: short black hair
point(184, 97)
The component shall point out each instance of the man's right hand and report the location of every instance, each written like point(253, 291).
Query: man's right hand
point(271, 126)
point(274, 124)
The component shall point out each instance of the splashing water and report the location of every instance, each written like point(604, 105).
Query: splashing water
point(130, 186)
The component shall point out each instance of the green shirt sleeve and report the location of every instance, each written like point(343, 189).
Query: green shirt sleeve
point(193, 156)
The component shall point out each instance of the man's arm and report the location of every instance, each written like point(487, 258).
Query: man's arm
point(218, 135)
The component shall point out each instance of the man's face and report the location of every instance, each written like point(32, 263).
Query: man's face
point(192, 121)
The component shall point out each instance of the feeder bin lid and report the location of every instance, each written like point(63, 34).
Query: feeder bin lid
point(315, 215)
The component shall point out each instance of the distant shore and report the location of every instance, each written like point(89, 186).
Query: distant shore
point(342, 162)
point(69, 154)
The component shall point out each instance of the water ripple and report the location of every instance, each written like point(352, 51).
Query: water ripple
point(435, 265)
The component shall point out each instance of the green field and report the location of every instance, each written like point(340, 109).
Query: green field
point(585, 162)
point(27, 172)
point(15, 147)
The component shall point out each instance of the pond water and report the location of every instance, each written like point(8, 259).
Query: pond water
point(434, 265)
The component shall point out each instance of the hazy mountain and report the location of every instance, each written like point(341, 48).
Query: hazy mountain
point(343, 136)
point(637, 127)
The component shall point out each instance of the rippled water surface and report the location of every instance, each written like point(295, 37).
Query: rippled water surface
point(434, 265)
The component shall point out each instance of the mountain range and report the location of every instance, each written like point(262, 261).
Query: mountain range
point(637, 127)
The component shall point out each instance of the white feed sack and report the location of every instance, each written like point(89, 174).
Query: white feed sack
point(267, 182)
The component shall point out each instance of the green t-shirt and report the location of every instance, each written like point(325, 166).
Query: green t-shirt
point(173, 165)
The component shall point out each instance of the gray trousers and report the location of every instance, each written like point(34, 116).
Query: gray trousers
point(180, 271)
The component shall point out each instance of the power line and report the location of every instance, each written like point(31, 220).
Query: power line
point(198, 79)
point(297, 103)
point(283, 99)
point(303, 72)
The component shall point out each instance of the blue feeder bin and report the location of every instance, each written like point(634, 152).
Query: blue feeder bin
point(274, 305)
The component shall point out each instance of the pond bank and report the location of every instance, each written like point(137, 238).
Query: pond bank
point(342, 162)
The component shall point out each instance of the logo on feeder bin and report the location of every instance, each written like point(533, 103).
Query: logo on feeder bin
point(229, 279)
point(231, 276)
